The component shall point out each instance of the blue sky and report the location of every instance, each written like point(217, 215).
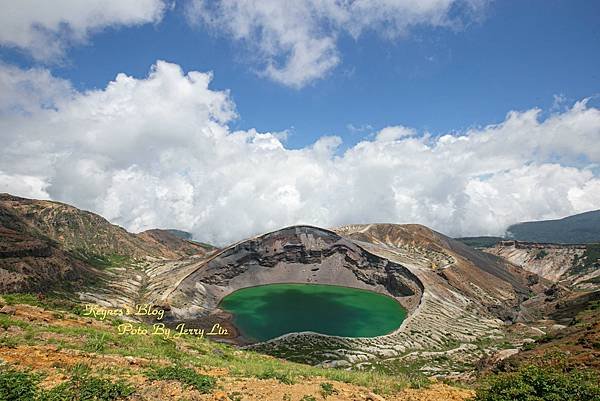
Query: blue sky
point(463, 115)
point(516, 56)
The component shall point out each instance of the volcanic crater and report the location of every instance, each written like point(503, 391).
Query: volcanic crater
point(299, 254)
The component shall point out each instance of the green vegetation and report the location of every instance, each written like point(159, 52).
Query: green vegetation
point(528, 346)
point(85, 387)
point(50, 301)
point(534, 383)
point(101, 261)
point(594, 305)
point(187, 376)
point(327, 389)
point(282, 376)
point(18, 385)
point(96, 343)
point(184, 355)
point(589, 259)
point(541, 254)
point(593, 280)
point(480, 242)
point(578, 229)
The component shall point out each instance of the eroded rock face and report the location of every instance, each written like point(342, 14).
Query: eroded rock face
point(30, 263)
point(300, 254)
point(551, 261)
point(573, 266)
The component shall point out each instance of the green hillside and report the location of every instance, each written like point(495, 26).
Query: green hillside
point(578, 229)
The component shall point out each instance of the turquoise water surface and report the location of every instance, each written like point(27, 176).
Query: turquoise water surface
point(268, 311)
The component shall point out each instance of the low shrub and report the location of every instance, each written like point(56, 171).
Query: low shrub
point(327, 389)
point(534, 383)
point(87, 388)
point(17, 385)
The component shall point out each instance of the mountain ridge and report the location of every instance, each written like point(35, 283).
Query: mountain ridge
point(83, 231)
point(575, 229)
point(44, 244)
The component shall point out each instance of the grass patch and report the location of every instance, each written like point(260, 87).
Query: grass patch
point(47, 301)
point(96, 343)
point(17, 385)
point(101, 261)
point(282, 376)
point(84, 387)
point(528, 346)
point(204, 384)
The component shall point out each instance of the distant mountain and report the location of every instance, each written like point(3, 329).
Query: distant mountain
point(180, 233)
point(175, 241)
point(480, 242)
point(83, 232)
point(578, 229)
point(43, 243)
point(189, 237)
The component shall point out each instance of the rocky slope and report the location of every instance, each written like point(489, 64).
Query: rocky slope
point(576, 266)
point(172, 244)
point(46, 244)
point(567, 313)
point(31, 262)
point(87, 233)
point(572, 345)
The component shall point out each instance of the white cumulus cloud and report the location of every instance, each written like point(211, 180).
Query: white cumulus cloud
point(158, 152)
point(45, 28)
point(295, 42)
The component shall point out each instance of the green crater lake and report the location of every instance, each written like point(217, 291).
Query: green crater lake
point(268, 311)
